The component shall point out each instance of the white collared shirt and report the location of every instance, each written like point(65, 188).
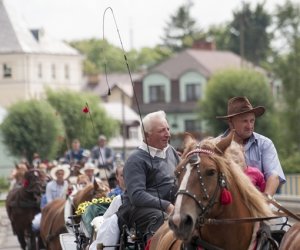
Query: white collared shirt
point(102, 158)
point(154, 151)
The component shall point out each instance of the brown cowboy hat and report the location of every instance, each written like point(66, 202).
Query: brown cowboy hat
point(241, 105)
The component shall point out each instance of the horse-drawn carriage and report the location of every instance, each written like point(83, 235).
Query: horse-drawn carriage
point(216, 207)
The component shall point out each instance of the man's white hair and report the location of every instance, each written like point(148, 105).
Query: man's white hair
point(149, 118)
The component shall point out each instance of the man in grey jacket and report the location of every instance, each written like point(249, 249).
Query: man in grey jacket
point(149, 178)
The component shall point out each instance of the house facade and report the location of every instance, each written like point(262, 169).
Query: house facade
point(177, 84)
point(31, 61)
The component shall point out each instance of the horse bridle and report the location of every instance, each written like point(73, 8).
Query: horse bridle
point(194, 159)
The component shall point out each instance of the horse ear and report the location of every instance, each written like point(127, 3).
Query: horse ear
point(224, 143)
point(96, 186)
point(188, 138)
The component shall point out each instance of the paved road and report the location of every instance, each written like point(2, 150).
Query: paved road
point(8, 241)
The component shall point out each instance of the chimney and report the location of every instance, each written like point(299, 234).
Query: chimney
point(204, 45)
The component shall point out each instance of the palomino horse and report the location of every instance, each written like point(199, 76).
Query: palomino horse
point(53, 221)
point(23, 203)
point(214, 197)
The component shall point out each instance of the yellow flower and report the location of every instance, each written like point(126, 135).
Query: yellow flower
point(82, 206)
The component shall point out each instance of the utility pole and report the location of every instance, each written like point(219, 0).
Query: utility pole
point(242, 31)
point(123, 125)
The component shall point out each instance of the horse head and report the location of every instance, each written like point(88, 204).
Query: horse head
point(93, 190)
point(211, 185)
point(200, 182)
point(34, 183)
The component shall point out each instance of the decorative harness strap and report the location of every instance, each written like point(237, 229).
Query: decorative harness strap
point(198, 201)
point(200, 150)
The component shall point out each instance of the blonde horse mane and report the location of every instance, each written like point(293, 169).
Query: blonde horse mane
point(237, 180)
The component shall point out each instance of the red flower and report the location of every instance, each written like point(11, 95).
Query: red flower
point(85, 109)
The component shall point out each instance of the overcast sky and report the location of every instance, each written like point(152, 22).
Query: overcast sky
point(140, 22)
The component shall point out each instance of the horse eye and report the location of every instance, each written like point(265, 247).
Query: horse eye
point(210, 172)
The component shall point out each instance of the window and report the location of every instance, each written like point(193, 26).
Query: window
point(67, 71)
point(134, 133)
point(157, 93)
point(192, 126)
point(193, 92)
point(40, 70)
point(53, 71)
point(7, 72)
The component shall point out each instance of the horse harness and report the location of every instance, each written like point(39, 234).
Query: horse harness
point(194, 161)
point(264, 238)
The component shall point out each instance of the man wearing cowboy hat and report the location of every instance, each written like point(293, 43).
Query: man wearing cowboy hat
point(90, 171)
point(260, 151)
point(57, 188)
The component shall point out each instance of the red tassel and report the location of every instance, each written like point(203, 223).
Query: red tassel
point(85, 109)
point(25, 183)
point(147, 247)
point(69, 191)
point(226, 197)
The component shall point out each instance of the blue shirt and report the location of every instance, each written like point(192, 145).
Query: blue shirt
point(53, 190)
point(115, 192)
point(77, 156)
point(261, 153)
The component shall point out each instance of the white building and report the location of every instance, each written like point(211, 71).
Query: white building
point(30, 60)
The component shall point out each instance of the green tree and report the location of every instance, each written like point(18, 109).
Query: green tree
point(249, 36)
point(99, 53)
point(287, 68)
point(84, 126)
point(229, 83)
point(30, 127)
point(220, 34)
point(181, 30)
point(147, 57)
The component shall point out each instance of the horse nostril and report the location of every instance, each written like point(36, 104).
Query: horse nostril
point(187, 220)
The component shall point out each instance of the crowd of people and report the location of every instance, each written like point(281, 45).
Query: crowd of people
point(146, 194)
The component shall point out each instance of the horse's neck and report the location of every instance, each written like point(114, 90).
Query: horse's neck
point(82, 196)
point(231, 236)
point(25, 194)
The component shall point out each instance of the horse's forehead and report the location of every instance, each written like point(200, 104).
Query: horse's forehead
point(206, 161)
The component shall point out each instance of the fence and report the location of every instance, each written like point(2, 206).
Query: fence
point(292, 185)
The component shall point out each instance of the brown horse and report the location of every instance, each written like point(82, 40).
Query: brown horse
point(53, 221)
point(291, 239)
point(207, 181)
point(22, 204)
